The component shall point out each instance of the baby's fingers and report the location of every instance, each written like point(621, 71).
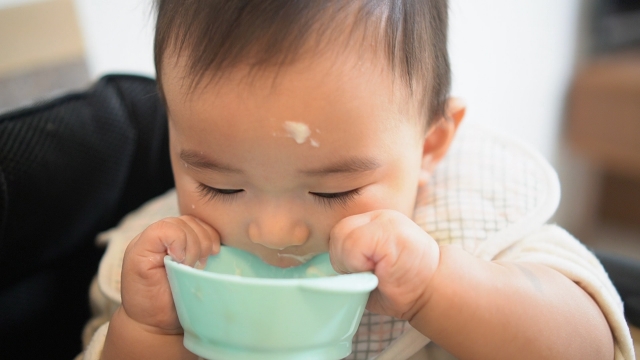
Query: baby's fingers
point(382, 241)
point(351, 245)
point(190, 247)
point(207, 238)
point(161, 238)
point(185, 238)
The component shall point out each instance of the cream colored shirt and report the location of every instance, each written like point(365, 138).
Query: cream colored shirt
point(491, 196)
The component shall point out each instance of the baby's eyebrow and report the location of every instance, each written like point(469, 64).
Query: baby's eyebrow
point(351, 165)
point(201, 162)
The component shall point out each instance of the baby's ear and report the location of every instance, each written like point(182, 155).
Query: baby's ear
point(440, 135)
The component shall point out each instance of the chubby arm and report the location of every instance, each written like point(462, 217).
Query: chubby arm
point(499, 310)
point(475, 309)
point(146, 325)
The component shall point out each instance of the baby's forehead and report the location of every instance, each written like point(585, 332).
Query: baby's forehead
point(315, 101)
point(321, 81)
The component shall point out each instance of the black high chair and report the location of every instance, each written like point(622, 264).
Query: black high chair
point(70, 168)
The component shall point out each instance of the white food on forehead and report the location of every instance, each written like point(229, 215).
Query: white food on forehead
point(297, 130)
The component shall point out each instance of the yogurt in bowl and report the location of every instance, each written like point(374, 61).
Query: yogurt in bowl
point(239, 307)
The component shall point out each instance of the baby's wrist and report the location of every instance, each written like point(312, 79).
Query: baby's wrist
point(135, 325)
point(450, 289)
point(129, 339)
point(425, 279)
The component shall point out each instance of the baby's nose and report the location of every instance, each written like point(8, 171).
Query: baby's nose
point(278, 233)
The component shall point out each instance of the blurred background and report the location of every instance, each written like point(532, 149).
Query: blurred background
point(561, 75)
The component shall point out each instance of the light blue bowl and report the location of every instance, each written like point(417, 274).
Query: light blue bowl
point(239, 307)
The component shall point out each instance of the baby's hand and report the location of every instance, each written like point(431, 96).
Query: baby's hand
point(402, 255)
point(146, 296)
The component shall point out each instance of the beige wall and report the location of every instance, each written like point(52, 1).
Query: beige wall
point(37, 35)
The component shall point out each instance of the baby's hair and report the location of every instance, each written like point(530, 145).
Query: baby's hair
point(220, 34)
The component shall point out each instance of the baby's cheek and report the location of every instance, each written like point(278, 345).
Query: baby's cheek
point(228, 220)
point(188, 200)
point(403, 198)
point(381, 197)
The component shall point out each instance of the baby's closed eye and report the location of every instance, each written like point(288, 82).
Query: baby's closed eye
point(340, 198)
point(212, 193)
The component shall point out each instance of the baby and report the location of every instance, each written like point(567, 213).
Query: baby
point(302, 127)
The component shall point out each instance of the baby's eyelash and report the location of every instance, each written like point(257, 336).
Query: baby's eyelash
point(342, 198)
point(225, 195)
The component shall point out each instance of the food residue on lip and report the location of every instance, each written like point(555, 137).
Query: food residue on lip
point(300, 258)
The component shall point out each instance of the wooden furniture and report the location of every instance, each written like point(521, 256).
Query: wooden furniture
point(603, 115)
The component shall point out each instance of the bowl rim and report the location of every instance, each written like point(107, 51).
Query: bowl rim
point(367, 282)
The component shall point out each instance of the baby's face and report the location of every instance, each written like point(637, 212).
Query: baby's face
point(273, 166)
